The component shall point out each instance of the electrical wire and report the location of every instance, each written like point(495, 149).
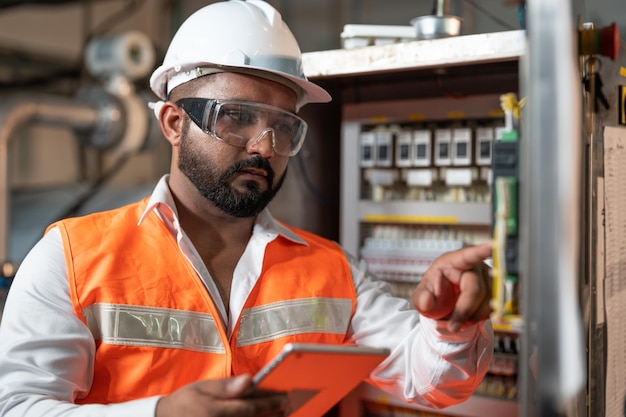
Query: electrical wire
point(43, 77)
point(447, 92)
point(39, 80)
point(7, 4)
point(25, 70)
point(97, 185)
point(498, 271)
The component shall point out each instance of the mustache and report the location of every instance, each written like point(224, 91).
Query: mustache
point(257, 162)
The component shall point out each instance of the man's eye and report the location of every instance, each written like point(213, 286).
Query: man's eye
point(241, 116)
point(284, 127)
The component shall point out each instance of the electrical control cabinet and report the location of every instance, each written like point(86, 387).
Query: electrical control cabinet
point(417, 141)
point(400, 217)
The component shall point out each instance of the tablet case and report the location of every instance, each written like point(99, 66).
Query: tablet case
point(318, 376)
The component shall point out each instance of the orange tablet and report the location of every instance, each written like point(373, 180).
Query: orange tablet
point(318, 376)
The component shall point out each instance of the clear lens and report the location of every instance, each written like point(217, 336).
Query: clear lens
point(238, 122)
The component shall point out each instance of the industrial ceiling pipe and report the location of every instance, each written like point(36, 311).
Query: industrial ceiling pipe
point(109, 118)
point(102, 120)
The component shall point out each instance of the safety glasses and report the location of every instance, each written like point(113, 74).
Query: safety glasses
point(237, 122)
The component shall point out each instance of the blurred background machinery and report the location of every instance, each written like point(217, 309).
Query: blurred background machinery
point(109, 116)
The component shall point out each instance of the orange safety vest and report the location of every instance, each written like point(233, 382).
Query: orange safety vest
point(155, 325)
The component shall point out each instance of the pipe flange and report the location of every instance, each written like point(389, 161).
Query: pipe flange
point(110, 126)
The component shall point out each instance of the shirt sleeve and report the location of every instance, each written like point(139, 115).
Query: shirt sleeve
point(46, 352)
point(428, 365)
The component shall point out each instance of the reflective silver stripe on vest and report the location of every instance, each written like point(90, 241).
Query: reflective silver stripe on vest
point(129, 325)
point(287, 318)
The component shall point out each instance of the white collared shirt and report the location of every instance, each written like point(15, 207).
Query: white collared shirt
point(47, 353)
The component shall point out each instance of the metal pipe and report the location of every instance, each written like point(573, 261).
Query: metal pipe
point(442, 7)
point(15, 113)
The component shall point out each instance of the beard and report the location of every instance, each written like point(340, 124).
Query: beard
point(215, 186)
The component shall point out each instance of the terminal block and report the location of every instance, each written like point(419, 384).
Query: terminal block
point(505, 171)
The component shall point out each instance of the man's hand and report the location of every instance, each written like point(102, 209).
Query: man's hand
point(222, 398)
point(456, 287)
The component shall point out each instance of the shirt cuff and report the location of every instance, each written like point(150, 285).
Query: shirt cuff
point(439, 329)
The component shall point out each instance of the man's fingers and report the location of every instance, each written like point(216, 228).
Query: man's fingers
point(464, 259)
point(473, 301)
point(424, 299)
point(456, 287)
point(435, 298)
point(233, 387)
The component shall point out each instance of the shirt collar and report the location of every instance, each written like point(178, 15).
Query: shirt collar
point(162, 202)
point(266, 223)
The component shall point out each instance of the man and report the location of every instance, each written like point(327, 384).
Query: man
point(167, 306)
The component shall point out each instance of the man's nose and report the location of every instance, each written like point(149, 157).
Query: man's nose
point(263, 144)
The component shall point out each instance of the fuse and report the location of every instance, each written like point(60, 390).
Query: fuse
point(422, 148)
point(484, 140)
point(384, 141)
point(367, 149)
point(404, 143)
point(462, 146)
point(443, 143)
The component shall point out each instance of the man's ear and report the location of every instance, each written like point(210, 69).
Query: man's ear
point(171, 122)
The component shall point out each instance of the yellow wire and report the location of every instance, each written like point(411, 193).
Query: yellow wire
point(510, 103)
point(499, 248)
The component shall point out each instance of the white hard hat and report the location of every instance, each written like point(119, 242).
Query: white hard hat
point(247, 36)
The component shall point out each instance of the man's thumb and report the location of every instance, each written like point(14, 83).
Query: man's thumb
point(238, 385)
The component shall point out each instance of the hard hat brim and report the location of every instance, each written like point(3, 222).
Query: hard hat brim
point(307, 91)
